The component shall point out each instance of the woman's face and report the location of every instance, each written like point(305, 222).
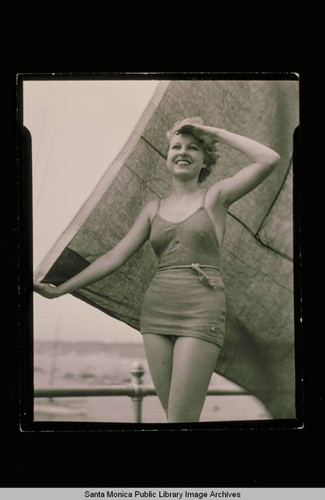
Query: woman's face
point(185, 156)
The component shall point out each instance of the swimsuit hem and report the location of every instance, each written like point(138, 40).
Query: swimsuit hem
point(198, 335)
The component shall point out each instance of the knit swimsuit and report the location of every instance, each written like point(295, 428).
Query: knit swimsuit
point(186, 295)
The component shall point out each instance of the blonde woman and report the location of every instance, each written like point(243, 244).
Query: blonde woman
point(184, 309)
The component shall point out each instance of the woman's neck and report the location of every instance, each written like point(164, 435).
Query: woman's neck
point(183, 189)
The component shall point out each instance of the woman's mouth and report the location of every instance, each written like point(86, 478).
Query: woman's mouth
point(183, 162)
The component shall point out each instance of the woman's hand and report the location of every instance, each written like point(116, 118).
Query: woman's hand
point(47, 291)
point(204, 133)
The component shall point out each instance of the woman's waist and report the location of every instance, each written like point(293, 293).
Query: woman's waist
point(206, 273)
point(186, 259)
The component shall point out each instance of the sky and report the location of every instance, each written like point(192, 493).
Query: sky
point(77, 129)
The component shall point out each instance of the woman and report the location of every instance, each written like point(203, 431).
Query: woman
point(184, 309)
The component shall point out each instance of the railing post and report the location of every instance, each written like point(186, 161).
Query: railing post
point(137, 373)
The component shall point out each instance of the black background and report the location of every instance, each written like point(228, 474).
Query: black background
point(279, 457)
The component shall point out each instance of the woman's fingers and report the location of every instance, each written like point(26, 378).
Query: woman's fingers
point(202, 133)
point(36, 286)
point(46, 290)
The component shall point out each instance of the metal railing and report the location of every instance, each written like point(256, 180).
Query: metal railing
point(136, 390)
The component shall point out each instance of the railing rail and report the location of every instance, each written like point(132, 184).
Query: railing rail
point(136, 390)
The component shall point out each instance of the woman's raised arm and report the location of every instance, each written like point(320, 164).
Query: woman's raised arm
point(263, 159)
point(107, 263)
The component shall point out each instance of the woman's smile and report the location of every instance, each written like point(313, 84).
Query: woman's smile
point(183, 161)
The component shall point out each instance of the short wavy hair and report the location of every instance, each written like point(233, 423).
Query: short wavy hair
point(210, 152)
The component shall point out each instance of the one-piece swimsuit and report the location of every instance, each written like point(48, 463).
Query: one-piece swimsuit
point(186, 295)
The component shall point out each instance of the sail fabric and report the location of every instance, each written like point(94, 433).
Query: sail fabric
point(257, 254)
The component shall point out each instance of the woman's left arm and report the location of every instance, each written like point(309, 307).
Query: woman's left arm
point(264, 160)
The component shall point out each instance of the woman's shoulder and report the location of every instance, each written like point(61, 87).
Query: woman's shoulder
point(152, 207)
point(153, 203)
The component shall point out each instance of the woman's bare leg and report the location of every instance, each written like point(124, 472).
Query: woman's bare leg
point(159, 353)
point(194, 361)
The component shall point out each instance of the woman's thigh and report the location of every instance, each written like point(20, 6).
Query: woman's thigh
point(194, 361)
point(159, 353)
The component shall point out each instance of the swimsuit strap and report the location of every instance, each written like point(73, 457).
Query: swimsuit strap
point(204, 196)
point(158, 206)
